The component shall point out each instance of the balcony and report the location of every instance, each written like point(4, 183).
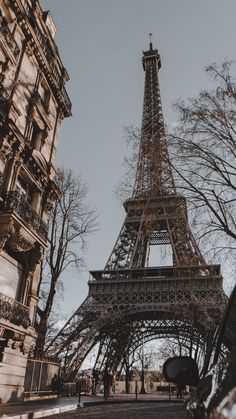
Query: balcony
point(14, 311)
point(7, 37)
point(66, 98)
point(46, 51)
point(49, 54)
point(15, 201)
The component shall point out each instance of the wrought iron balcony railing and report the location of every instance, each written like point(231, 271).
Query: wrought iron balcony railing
point(15, 201)
point(66, 98)
point(8, 37)
point(14, 311)
point(56, 67)
point(50, 56)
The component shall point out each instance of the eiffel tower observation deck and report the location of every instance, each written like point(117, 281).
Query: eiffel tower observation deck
point(129, 300)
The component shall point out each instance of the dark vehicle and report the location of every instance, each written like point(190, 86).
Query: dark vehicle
point(215, 388)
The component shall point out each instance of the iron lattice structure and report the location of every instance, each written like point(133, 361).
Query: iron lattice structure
point(129, 297)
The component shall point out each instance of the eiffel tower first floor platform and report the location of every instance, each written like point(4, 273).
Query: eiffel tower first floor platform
point(168, 301)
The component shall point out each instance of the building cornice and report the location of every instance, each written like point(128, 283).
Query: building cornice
point(45, 52)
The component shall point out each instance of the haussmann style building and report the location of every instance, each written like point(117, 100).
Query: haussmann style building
point(33, 102)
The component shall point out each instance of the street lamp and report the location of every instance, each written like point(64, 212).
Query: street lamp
point(142, 390)
point(80, 383)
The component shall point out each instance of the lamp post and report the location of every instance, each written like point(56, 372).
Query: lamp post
point(142, 390)
point(80, 379)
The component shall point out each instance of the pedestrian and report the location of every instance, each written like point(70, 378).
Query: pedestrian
point(180, 389)
point(56, 385)
point(59, 386)
point(106, 382)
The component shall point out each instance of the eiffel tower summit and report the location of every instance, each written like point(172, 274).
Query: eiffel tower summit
point(130, 301)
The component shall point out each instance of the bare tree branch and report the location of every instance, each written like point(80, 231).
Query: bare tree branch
point(71, 221)
point(203, 154)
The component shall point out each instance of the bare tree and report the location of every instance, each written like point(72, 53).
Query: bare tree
point(144, 356)
point(178, 346)
point(71, 220)
point(124, 187)
point(203, 149)
point(129, 359)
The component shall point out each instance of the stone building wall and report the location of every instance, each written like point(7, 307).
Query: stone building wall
point(33, 103)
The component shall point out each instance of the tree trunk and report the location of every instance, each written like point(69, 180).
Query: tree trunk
point(41, 329)
point(127, 388)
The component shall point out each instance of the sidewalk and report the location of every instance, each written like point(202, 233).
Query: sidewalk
point(37, 408)
point(40, 408)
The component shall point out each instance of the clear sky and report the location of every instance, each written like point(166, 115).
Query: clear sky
point(101, 44)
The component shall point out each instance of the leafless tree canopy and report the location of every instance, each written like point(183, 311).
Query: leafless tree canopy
point(71, 221)
point(177, 346)
point(124, 188)
point(204, 157)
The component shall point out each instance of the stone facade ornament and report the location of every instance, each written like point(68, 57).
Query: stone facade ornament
point(19, 243)
point(36, 256)
point(6, 231)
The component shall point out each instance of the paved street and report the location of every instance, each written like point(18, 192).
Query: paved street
point(137, 410)
point(121, 406)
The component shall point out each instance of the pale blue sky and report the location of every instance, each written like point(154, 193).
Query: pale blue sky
point(101, 43)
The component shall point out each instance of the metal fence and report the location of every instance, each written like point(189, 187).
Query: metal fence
point(39, 375)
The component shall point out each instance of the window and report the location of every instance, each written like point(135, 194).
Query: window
point(25, 189)
point(10, 276)
point(45, 94)
point(3, 344)
point(36, 136)
point(46, 99)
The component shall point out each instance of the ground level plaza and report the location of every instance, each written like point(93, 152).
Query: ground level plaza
point(96, 407)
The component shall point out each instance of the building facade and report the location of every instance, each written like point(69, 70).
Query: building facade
point(33, 102)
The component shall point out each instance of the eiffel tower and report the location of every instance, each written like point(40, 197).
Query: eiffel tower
point(129, 299)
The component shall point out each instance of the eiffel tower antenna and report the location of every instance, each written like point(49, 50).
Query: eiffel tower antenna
point(129, 300)
point(150, 37)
